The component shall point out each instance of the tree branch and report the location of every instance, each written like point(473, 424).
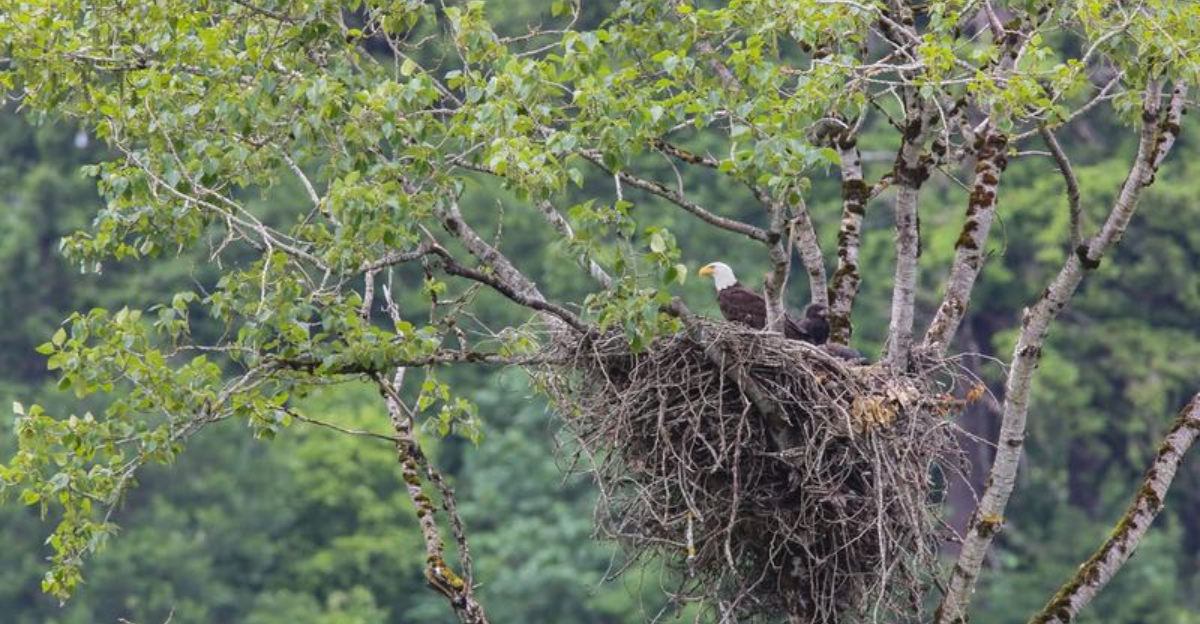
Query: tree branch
point(780, 254)
point(1157, 136)
point(989, 147)
point(438, 573)
point(1100, 568)
point(844, 287)
point(969, 250)
point(670, 149)
point(394, 258)
point(453, 222)
point(804, 239)
point(560, 225)
point(522, 298)
point(1068, 173)
point(502, 276)
point(309, 365)
point(911, 171)
point(677, 198)
point(340, 429)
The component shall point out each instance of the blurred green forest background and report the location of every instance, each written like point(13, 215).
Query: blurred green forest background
point(314, 527)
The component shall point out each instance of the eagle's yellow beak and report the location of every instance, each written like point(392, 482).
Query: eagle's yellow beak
point(705, 270)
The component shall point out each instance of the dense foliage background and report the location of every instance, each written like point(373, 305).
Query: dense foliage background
point(313, 526)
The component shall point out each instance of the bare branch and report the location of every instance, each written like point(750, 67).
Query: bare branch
point(340, 429)
point(438, 573)
point(308, 187)
point(396, 257)
point(675, 151)
point(492, 280)
point(911, 171)
point(450, 505)
point(678, 199)
point(1068, 173)
point(846, 280)
point(804, 239)
point(780, 254)
point(1100, 568)
point(457, 356)
point(969, 250)
point(560, 225)
point(453, 222)
point(448, 500)
point(501, 275)
point(1157, 136)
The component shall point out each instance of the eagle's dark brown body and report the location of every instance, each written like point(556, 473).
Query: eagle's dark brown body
point(742, 305)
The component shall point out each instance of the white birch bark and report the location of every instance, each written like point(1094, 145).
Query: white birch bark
point(780, 254)
point(846, 279)
point(989, 148)
point(804, 239)
point(911, 171)
point(970, 249)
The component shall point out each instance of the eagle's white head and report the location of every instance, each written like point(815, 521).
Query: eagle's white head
point(722, 275)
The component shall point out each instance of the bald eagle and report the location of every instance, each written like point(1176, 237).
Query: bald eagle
point(742, 305)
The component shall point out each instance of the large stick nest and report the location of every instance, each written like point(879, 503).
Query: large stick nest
point(820, 506)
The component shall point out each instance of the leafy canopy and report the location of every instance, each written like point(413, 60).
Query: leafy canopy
point(385, 113)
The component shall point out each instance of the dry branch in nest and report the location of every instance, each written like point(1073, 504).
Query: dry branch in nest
point(826, 517)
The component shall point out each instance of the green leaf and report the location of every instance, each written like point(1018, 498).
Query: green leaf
point(657, 244)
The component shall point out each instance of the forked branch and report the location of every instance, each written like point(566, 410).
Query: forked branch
point(499, 273)
point(1158, 133)
point(438, 573)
